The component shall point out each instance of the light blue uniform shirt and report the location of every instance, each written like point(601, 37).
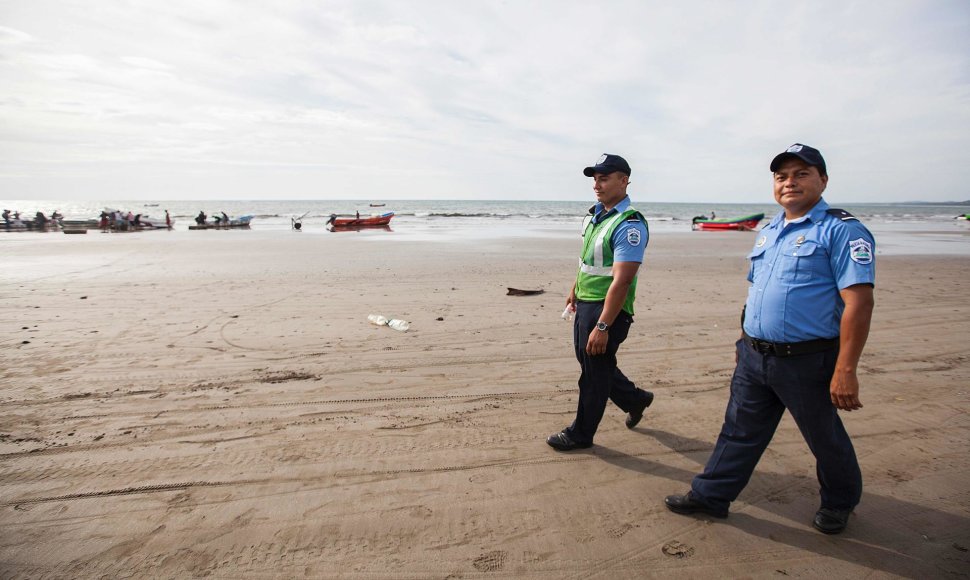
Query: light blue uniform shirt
point(627, 246)
point(797, 271)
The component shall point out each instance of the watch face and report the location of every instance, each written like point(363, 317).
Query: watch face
point(602, 326)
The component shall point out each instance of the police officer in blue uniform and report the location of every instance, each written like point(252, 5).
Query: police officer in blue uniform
point(614, 238)
point(804, 325)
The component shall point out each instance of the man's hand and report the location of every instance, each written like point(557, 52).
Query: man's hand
point(597, 342)
point(844, 391)
point(844, 387)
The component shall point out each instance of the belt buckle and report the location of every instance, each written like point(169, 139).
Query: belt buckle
point(764, 347)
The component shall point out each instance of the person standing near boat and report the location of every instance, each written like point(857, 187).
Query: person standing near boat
point(615, 236)
point(804, 325)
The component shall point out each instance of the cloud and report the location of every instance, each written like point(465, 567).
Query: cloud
point(11, 36)
point(491, 100)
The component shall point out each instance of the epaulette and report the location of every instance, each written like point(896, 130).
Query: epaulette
point(841, 214)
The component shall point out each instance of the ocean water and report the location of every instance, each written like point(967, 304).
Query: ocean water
point(899, 228)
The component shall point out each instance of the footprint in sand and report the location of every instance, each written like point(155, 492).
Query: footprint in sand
point(678, 550)
point(491, 561)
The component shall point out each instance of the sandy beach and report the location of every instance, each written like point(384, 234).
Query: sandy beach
point(179, 404)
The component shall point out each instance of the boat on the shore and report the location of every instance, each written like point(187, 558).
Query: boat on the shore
point(241, 222)
point(14, 222)
point(32, 225)
point(140, 222)
point(743, 223)
point(378, 221)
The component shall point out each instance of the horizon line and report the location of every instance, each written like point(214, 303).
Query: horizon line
point(388, 200)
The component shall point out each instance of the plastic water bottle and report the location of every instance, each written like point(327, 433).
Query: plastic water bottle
point(377, 319)
point(567, 314)
point(401, 325)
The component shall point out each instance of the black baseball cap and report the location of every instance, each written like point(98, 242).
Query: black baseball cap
point(608, 163)
point(809, 155)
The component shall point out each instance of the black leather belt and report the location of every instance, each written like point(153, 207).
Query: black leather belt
point(790, 348)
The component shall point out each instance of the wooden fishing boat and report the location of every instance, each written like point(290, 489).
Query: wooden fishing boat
point(13, 222)
point(360, 222)
point(145, 223)
point(748, 222)
point(238, 223)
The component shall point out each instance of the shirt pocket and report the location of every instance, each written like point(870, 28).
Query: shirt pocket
point(757, 259)
point(800, 263)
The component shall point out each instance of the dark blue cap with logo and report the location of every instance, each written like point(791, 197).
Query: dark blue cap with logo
point(809, 155)
point(608, 163)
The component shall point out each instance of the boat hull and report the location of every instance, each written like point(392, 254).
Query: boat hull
point(338, 229)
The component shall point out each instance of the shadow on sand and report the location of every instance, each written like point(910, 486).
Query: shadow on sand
point(885, 533)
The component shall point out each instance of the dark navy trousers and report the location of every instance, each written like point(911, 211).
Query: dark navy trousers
point(762, 388)
point(601, 379)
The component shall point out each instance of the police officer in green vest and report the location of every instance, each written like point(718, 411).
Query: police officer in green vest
point(614, 238)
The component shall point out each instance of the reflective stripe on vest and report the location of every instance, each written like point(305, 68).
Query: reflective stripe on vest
point(597, 268)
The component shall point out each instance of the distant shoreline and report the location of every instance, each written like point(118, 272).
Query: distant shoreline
point(382, 202)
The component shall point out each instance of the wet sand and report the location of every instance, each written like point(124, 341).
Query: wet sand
point(179, 404)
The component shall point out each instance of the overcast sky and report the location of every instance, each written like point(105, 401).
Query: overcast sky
point(304, 99)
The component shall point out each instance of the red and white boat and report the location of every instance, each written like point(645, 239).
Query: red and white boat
point(748, 222)
point(360, 222)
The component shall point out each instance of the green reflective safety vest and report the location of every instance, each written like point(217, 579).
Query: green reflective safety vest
point(596, 263)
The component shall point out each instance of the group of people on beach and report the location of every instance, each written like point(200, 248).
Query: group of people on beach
point(119, 221)
point(803, 328)
point(13, 221)
point(218, 219)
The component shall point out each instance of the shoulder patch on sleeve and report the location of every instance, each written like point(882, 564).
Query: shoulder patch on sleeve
point(841, 214)
point(860, 251)
point(633, 237)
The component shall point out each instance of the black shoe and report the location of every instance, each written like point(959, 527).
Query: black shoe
point(830, 521)
point(633, 417)
point(563, 442)
point(686, 504)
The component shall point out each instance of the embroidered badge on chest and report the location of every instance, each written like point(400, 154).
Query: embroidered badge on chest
point(633, 236)
point(860, 251)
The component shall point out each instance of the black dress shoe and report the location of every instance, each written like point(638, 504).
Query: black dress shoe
point(563, 442)
point(686, 504)
point(830, 521)
point(633, 417)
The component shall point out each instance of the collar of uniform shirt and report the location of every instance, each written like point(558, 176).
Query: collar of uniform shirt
point(816, 214)
point(599, 215)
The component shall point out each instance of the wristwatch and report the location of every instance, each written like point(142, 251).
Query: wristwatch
point(602, 326)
